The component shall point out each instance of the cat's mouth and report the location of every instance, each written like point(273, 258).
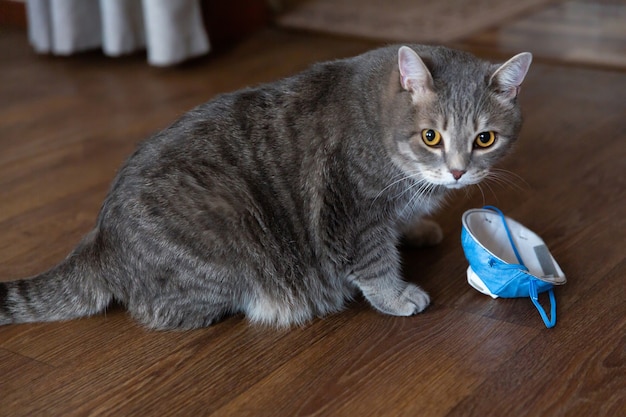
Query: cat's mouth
point(456, 185)
point(450, 185)
point(453, 180)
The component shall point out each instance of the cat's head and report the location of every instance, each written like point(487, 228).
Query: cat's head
point(465, 114)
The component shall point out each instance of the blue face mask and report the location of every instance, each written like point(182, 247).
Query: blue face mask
point(508, 260)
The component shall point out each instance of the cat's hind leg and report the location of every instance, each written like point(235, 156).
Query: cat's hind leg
point(421, 233)
point(179, 313)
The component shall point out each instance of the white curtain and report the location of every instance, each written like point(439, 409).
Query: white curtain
point(170, 30)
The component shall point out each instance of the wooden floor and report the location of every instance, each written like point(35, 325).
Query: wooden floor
point(67, 124)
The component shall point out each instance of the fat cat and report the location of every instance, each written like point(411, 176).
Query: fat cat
point(285, 200)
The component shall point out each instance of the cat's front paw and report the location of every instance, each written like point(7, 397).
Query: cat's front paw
point(410, 301)
point(413, 300)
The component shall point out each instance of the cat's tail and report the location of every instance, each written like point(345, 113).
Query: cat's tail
point(74, 288)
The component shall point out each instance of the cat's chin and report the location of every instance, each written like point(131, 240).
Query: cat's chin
point(455, 186)
point(441, 187)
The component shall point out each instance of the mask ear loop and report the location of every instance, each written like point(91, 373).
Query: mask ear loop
point(534, 296)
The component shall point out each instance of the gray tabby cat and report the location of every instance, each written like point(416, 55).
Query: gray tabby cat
point(282, 201)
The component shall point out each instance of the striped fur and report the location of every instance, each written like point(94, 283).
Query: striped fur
point(282, 201)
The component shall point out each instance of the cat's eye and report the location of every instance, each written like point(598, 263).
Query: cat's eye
point(485, 139)
point(431, 137)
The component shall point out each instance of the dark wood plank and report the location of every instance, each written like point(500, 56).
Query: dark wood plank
point(582, 32)
point(109, 366)
point(17, 373)
point(12, 13)
point(576, 370)
point(385, 366)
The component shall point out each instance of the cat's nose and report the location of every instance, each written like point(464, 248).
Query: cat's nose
point(457, 173)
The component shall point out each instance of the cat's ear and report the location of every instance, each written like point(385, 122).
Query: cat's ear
point(508, 77)
point(414, 76)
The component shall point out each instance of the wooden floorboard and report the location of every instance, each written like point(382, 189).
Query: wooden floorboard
point(577, 371)
point(580, 32)
point(66, 124)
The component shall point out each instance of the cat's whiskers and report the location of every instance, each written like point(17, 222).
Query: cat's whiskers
point(500, 177)
point(508, 179)
point(411, 176)
point(492, 192)
point(419, 183)
point(416, 184)
point(425, 190)
point(469, 191)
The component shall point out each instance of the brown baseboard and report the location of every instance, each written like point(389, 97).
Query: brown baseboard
point(226, 22)
point(13, 13)
point(230, 21)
